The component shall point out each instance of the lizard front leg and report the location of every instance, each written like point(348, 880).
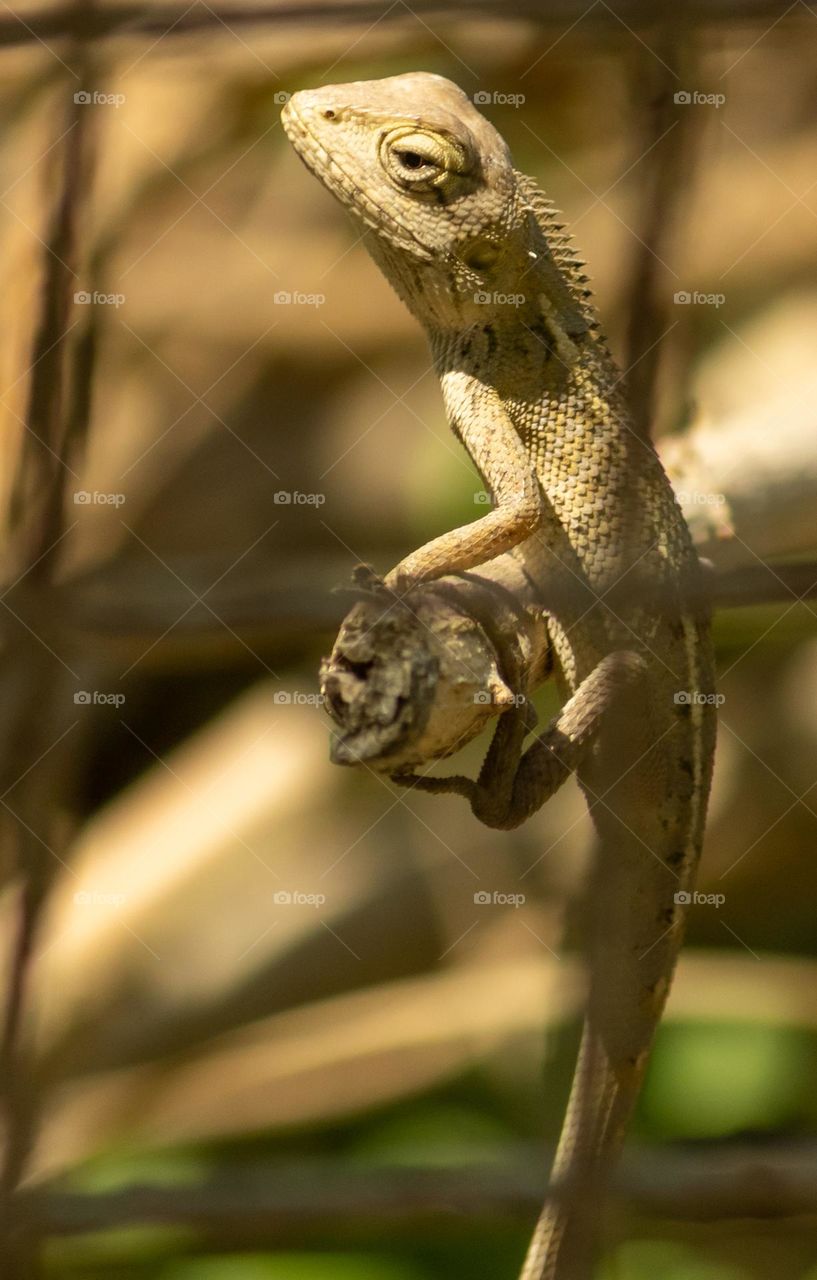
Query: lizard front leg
point(480, 421)
point(513, 784)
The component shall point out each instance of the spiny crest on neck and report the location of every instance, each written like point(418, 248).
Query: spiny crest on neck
point(560, 247)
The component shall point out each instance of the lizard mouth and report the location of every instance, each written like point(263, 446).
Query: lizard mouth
point(345, 186)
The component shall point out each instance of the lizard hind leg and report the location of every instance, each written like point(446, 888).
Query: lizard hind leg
point(498, 769)
point(512, 785)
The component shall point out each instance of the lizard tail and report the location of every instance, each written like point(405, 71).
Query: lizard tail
point(602, 1098)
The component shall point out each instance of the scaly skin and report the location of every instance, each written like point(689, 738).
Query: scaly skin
point(533, 394)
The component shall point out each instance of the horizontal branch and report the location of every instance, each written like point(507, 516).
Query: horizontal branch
point(117, 603)
point(321, 1202)
point(171, 21)
point(413, 682)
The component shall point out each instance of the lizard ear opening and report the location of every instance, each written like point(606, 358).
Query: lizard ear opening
point(480, 255)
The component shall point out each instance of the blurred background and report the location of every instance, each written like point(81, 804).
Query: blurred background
point(259, 1021)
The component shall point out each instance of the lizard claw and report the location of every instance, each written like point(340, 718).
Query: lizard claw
point(366, 586)
point(365, 579)
point(400, 583)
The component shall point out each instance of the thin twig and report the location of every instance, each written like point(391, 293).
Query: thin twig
point(36, 767)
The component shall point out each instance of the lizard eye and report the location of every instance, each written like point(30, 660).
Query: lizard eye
point(418, 161)
point(410, 159)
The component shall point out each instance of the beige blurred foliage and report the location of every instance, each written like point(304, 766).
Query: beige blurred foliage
point(152, 924)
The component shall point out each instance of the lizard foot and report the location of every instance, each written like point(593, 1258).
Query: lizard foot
point(367, 586)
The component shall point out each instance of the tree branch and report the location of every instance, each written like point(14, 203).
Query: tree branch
point(318, 1201)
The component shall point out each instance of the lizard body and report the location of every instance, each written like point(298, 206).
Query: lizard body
point(532, 392)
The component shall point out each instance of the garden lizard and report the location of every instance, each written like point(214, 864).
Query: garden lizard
point(477, 253)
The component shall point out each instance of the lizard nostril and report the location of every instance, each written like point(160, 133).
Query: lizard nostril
point(328, 114)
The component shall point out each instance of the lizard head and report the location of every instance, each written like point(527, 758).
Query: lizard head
point(428, 176)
